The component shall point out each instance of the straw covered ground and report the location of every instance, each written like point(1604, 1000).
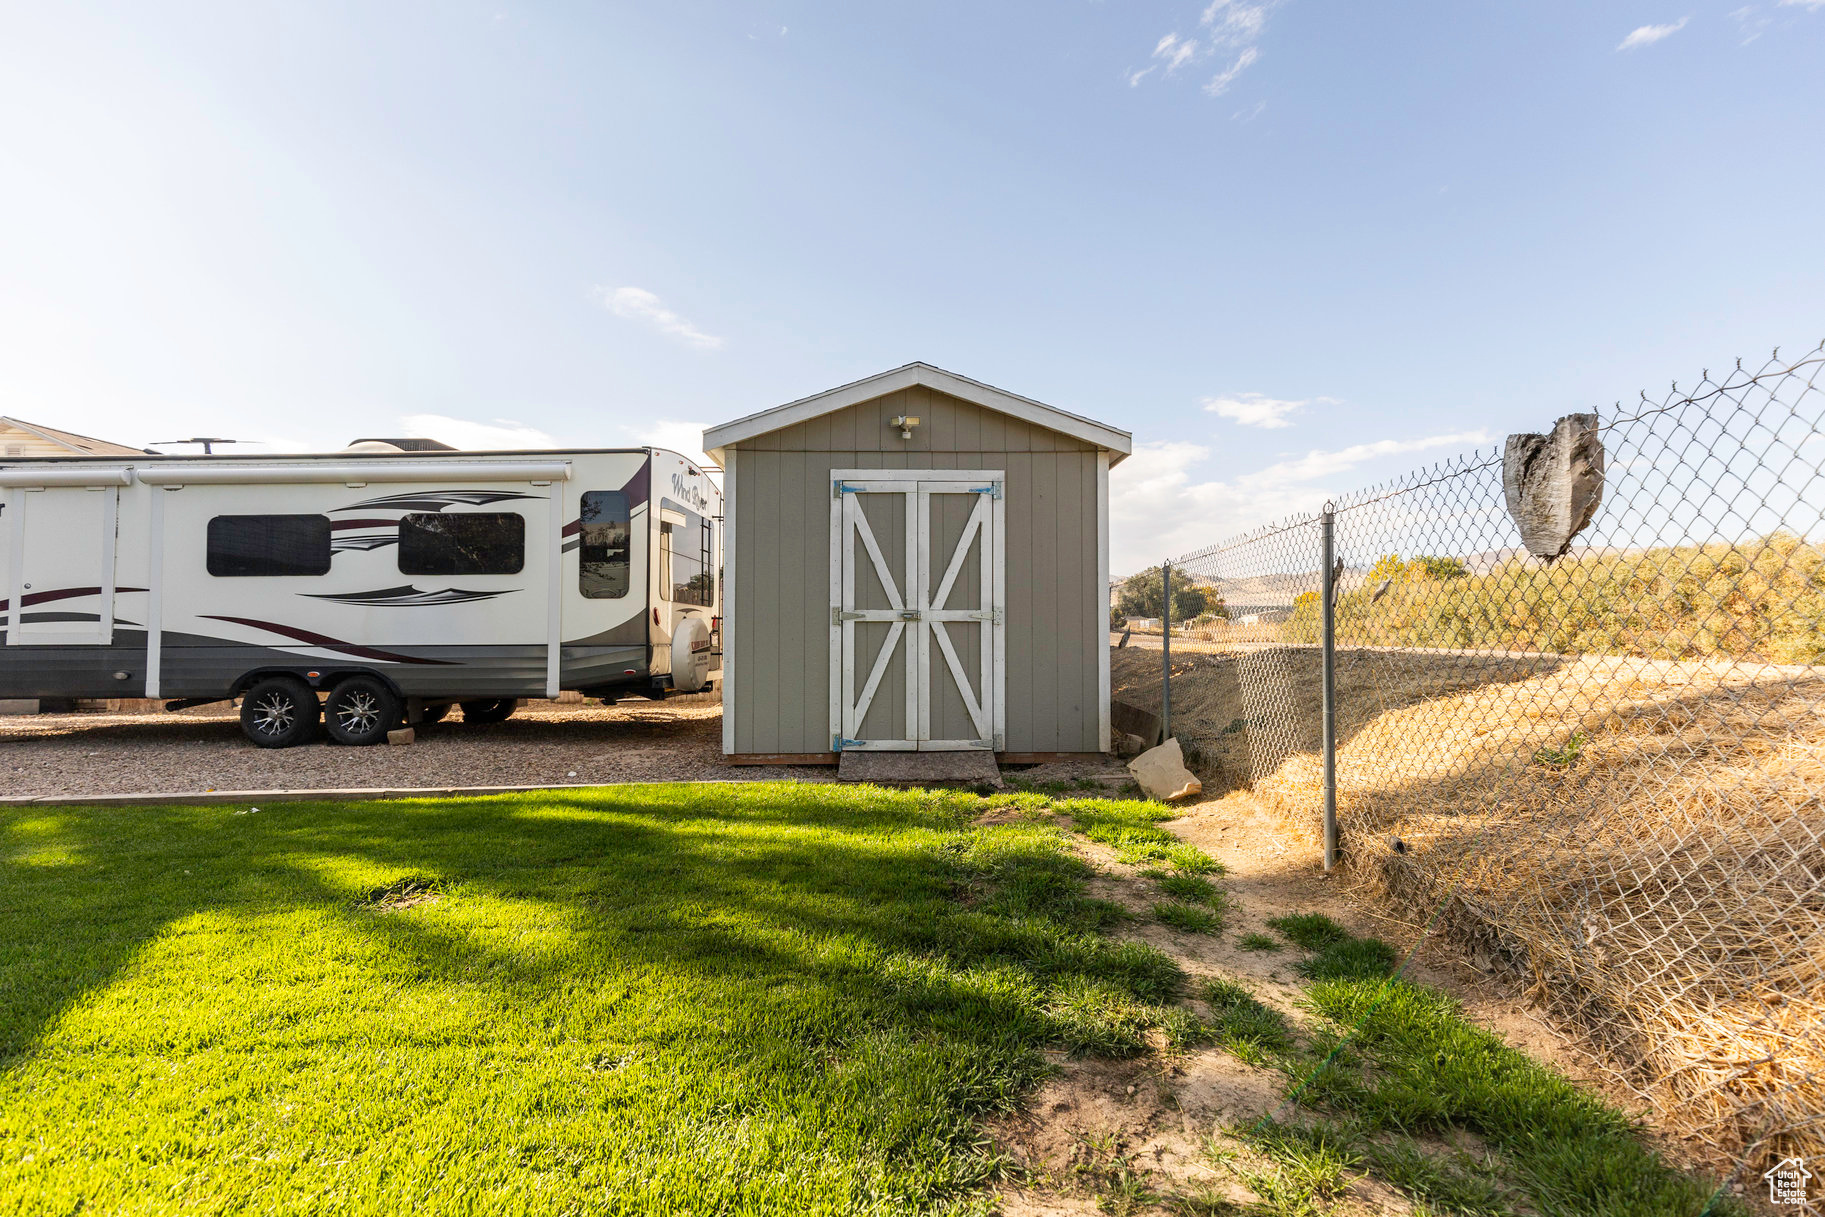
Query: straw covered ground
point(1640, 838)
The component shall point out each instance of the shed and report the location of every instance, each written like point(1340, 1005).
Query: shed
point(915, 562)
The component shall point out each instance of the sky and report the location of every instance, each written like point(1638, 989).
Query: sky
point(1294, 247)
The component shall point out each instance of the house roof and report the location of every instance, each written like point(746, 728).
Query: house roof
point(82, 444)
point(1116, 442)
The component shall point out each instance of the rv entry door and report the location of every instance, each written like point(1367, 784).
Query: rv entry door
point(60, 543)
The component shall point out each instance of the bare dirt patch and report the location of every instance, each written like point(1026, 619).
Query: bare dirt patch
point(1136, 1131)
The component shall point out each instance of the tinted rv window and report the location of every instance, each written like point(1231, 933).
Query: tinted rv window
point(269, 545)
point(602, 546)
point(684, 560)
point(466, 543)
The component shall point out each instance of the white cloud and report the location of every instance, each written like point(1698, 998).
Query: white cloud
point(1249, 114)
point(1219, 84)
point(1809, 5)
point(1170, 53)
point(1228, 25)
point(464, 433)
point(1750, 24)
point(1234, 23)
point(1174, 51)
point(1258, 410)
point(1648, 35)
point(638, 304)
point(1158, 511)
point(1318, 464)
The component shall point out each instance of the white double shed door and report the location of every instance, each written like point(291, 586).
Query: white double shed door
point(917, 609)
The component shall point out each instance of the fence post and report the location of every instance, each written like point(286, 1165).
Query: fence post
point(1166, 655)
point(1328, 529)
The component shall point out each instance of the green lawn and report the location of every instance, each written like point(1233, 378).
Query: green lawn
point(661, 999)
point(755, 998)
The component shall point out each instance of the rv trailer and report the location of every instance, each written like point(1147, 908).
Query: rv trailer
point(359, 590)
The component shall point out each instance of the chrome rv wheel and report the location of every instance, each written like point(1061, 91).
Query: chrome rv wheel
point(274, 713)
point(279, 712)
point(361, 710)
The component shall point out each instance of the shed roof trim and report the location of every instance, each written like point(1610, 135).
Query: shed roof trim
point(1115, 441)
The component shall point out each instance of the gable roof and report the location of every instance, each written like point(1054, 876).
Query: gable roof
point(1116, 442)
point(83, 445)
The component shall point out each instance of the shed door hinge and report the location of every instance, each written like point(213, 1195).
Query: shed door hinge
point(993, 615)
point(993, 490)
point(838, 743)
point(839, 488)
point(838, 615)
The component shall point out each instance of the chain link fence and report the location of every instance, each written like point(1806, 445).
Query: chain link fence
point(1603, 770)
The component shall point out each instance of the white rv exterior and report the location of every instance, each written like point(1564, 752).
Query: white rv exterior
point(423, 579)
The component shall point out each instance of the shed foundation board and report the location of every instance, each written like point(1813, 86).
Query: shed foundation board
point(1046, 758)
point(918, 768)
point(782, 758)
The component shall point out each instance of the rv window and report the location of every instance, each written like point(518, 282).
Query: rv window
point(269, 545)
point(685, 575)
point(602, 546)
point(463, 543)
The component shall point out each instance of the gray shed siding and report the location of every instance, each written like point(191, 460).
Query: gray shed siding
point(779, 602)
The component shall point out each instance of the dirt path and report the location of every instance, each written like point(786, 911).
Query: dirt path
point(1100, 1128)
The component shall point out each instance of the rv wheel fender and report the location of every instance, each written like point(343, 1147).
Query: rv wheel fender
point(691, 655)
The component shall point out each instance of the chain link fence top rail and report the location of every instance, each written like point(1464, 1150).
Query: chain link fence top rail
point(1604, 770)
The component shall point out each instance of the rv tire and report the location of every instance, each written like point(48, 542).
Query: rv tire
point(496, 710)
point(361, 710)
point(279, 712)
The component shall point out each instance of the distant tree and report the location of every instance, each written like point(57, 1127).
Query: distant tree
point(1431, 566)
point(1391, 568)
point(1141, 595)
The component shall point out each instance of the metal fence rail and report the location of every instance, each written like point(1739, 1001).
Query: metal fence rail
point(1605, 770)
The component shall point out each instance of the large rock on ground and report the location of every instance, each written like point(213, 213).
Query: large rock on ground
point(1162, 775)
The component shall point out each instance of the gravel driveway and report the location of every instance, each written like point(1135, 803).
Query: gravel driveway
point(203, 749)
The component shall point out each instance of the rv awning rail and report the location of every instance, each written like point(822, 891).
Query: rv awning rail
point(238, 474)
point(35, 479)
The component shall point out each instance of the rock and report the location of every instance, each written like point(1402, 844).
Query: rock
point(403, 735)
point(1554, 483)
point(1162, 774)
point(1129, 745)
